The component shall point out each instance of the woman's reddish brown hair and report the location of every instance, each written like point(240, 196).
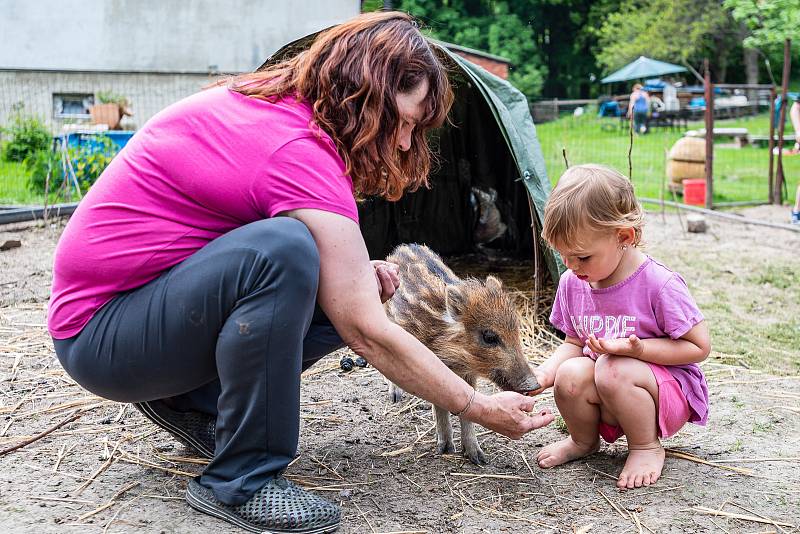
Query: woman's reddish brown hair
point(352, 74)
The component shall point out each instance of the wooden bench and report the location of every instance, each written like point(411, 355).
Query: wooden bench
point(740, 136)
point(763, 140)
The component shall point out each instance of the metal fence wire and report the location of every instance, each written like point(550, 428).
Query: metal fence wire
point(576, 131)
point(63, 102)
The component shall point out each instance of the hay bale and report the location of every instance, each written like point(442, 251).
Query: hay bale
point(688, 149)
point(678, 171)
point(686, 160)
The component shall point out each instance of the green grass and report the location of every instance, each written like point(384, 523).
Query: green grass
point(740, 174)
point(14, 187)
point(755, 321)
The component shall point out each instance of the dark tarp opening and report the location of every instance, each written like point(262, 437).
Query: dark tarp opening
point(489, 144)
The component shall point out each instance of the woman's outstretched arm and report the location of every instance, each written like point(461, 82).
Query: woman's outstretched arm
point(348, 297)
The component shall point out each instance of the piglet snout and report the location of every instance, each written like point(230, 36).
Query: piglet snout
point(530, 384)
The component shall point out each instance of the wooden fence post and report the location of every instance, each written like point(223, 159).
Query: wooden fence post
point(709, 94)
point(787, 64)
point(771, 144)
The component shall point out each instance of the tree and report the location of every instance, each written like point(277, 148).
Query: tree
point(764, 26)
point(770, 22)
point(488, 25)
point(678, 31)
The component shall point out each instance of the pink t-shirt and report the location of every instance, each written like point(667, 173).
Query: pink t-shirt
point(202, 167)
point(652, 302)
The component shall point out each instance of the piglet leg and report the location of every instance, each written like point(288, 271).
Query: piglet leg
point(395, 392)
point(444, 431)
point(469, 443)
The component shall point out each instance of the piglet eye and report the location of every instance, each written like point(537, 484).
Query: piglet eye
point(490, 337)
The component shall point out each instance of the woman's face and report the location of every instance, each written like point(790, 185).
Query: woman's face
point(411, 108)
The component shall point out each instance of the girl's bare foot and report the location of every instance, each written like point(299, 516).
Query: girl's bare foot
point(642, 468)
point(564, 451)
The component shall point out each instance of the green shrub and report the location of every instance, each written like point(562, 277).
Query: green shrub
point(28, 135)
point(88, 163)
point(39, 164)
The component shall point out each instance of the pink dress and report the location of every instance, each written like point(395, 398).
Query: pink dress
point(653, 302)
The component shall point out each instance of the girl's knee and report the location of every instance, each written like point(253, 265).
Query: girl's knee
point(612, 374)
point(573, 377)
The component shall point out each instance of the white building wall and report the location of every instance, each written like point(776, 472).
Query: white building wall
point(154, 52)
point(148, 93)
point(157, 35)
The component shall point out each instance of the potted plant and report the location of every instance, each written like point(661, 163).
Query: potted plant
point(110, 110)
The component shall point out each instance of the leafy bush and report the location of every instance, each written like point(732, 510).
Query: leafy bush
point(88, 161)
point(28, 135)
point(39, 164)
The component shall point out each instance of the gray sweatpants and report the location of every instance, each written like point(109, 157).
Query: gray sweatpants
point(226, 332)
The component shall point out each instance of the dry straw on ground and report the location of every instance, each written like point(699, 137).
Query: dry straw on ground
point(54, 428)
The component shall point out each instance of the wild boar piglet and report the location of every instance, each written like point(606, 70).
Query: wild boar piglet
point(471, 325)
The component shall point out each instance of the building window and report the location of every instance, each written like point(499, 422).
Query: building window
point(72, 105)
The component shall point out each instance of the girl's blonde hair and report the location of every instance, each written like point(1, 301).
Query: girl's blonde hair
point(590, 198)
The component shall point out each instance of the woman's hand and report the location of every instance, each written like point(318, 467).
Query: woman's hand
point(509, 413)
point(388, 277)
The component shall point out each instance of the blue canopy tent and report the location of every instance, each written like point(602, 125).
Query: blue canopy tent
point(644, 67)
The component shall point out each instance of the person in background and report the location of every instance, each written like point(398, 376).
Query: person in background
point(638, 108)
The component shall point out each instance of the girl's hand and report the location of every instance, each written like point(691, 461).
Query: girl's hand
point(631, 346)
point(388, 278)
point(544, 379)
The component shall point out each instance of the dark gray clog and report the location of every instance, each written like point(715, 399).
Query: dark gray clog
point(195, 429)
point(280, 507)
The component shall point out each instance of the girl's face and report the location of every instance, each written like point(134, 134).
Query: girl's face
point(599, 258)
point(411, 108)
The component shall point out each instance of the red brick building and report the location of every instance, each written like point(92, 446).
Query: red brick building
point(497, 65)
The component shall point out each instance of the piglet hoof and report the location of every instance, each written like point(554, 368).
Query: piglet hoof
point(476, 456)
point(445, 447)
point(395, 394)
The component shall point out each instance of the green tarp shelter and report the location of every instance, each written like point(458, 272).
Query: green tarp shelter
point(489, 143)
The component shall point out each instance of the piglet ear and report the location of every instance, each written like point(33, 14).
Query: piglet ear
point(494, 283)
point(454, 301)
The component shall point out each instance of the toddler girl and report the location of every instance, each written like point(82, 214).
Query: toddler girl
point(634, 335)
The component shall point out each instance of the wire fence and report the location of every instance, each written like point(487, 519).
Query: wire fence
point(63, 102)
point(741, 154)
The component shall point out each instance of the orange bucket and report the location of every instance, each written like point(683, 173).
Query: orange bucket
point(694, 192)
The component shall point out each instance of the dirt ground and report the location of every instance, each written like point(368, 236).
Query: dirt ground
point(112, 471)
